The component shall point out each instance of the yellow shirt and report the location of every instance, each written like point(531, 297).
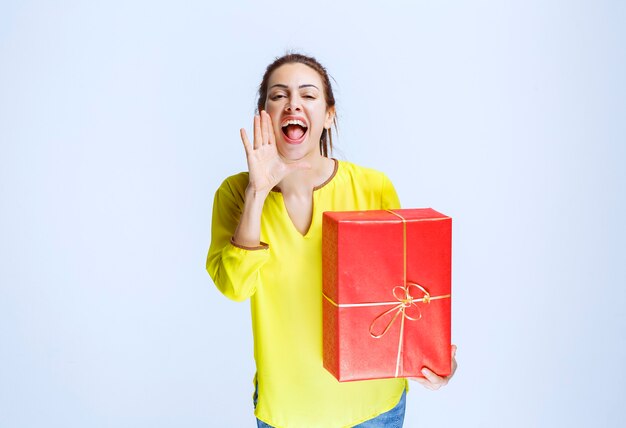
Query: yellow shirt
point(283, 280)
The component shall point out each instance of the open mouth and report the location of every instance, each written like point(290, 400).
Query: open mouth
point(294, 131)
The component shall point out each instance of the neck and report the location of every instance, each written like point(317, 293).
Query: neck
point(304, 180)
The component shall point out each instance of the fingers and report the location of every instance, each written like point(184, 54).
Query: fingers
point(258, 139)
point(433, 378)
point(453, 364)
point(433, 381)
point(244, 139)
point(272, 139)
point(265, 132)
point(425, 383)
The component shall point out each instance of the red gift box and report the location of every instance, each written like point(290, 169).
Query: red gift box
point(386, 293)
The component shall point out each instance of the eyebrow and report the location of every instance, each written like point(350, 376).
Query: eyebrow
point(280, 85)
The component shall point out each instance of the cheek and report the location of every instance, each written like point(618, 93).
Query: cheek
point(272, 105)
point(323, 119)
point(274, 114)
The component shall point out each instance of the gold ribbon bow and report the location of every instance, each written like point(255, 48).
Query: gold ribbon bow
point(406, 301)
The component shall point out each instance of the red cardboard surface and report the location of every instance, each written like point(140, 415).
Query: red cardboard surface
point(363, 256)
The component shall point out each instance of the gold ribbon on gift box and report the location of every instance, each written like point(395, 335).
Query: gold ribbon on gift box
point(404, 301)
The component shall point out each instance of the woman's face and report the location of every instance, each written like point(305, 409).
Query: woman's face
point(296, 103)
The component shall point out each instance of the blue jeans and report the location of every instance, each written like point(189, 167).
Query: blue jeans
point(393, 418)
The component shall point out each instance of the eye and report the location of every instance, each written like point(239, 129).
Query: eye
point(309, 96)
point(277, 97)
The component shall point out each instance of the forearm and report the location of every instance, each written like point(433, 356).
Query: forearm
point(235, 267)
point(248, 232)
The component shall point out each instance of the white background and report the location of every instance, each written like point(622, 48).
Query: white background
point(119, 119)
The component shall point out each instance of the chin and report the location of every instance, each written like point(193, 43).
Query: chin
point(293, 152)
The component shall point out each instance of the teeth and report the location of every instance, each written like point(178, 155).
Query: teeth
point(293, 122)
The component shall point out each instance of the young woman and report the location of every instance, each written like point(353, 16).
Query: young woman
point(266, 246)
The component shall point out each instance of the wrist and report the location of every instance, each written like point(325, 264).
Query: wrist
point(255, 195)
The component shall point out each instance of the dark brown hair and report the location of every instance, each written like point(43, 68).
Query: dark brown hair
point(326, 140)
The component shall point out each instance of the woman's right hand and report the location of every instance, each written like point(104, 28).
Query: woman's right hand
point(265, 165)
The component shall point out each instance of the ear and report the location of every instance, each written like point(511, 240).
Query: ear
point(330, 116)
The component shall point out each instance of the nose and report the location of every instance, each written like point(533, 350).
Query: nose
point(293, 104)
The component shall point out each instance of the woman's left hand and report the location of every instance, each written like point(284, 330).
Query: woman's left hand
point(431, 380)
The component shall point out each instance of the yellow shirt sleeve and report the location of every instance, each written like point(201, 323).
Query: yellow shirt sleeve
point(234, 269)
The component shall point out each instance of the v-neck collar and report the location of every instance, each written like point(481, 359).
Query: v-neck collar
point(319, 186)
point(277, 191)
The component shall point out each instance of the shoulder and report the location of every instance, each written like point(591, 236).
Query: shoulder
point(367, 184)
point(236, 183)
point(360, 174)
point(233, 188)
